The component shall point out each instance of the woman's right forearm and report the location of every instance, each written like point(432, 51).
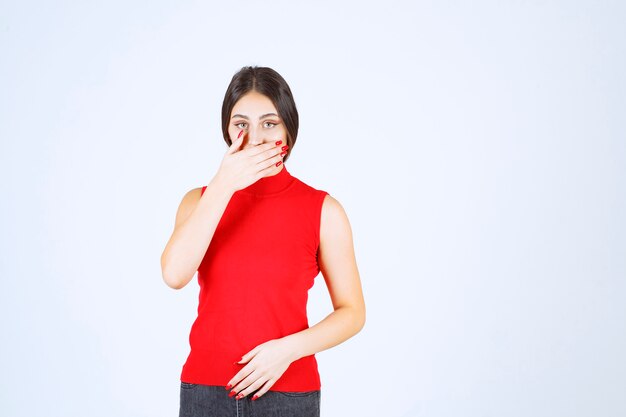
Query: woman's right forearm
point(187, 246)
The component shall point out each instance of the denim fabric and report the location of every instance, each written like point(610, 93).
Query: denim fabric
point(198, 400)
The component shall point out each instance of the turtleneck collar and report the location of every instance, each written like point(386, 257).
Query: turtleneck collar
point(271, 185)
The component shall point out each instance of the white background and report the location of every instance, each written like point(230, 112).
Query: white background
point(479, 152)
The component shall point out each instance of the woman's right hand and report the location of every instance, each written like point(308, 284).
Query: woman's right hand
point(242, 167)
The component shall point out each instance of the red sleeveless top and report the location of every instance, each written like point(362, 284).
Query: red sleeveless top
point(254, 281)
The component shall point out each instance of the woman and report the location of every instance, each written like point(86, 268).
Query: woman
point(258, 237)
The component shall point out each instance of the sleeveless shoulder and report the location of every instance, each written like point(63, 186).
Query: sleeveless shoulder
point(313, 196)
point(312, 209)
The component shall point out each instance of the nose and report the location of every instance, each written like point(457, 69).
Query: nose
point(254, 137)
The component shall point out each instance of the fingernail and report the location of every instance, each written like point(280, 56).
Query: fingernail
point(239, 135)
point(230, 394)
point(284, 148)
point(239, 397)
point(255, 397)
point(283, 153)
point(278, 142)
point(278, 163)
point(229, 386)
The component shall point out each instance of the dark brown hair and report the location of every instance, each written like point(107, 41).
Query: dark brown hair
point(268, 82)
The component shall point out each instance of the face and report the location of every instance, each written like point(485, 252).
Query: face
point(256, 115)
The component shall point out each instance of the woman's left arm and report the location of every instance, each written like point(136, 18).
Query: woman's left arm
point(337, 263)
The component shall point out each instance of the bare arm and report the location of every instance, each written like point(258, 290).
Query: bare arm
point(338, 265)
point(196, 220)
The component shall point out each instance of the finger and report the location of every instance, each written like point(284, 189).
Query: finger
point(249, 355)
point(253, 387)
point(266, 147)
point(239, 376)
point(244, 387)
point(234, 147)
point(270, 166)
point(263, 389)
point(280, 149)
point(269, 157)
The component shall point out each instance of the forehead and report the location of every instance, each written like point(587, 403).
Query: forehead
point(253, 103)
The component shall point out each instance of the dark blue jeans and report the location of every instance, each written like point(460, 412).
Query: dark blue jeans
point(198, 400)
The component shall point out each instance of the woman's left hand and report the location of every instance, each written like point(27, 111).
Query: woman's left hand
point(265, 364)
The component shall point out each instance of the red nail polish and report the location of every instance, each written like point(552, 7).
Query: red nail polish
point(278, 163)
point(239, 397)
point(230, 394)
point(278, 142)
point(283, 153)
point(255, 397)
point(229, 386)
point(239, 135)
point(284, 148)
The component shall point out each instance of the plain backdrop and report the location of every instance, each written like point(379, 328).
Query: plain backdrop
point(478, 150)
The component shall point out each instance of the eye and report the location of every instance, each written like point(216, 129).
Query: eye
point(272, 123)
point(240, 123)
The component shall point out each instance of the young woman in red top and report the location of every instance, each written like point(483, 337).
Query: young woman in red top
point(258, 236)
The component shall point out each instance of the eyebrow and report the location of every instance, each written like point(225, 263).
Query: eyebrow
point(262, 116)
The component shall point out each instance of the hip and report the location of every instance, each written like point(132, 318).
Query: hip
point(213, 400)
